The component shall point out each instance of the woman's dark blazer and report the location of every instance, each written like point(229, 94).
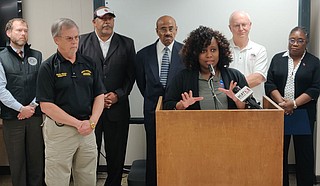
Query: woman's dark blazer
point(307, 79)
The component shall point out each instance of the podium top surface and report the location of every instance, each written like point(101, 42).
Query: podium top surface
point(268, 104)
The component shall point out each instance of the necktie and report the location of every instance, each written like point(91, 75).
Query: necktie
point(20, 53)
point(165, 64)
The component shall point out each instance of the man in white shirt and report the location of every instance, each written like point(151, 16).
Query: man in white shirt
point(249, 57)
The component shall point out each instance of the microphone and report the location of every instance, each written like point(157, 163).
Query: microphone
point(245, 95)
point(211, 69)
point(211, 86)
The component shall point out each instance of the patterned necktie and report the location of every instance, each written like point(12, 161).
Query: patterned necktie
point(20, 53)
point(165, 64)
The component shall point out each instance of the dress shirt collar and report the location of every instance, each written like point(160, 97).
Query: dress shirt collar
point(249, 45)
point(160, 47)
point(14, 49)
point(102, 42)
point(286, 54)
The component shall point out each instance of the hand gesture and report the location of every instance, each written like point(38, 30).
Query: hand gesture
point(187, 100)
point(229, 91)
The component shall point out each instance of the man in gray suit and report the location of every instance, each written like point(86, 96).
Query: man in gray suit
point(148, 72)
point(114, 55)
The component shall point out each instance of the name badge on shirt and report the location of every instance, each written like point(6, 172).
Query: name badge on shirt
point(60, 75)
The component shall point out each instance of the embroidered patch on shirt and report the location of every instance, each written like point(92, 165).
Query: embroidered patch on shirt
point(252, 57)
point(63, 74)
point(86, 73)
point(32, 61)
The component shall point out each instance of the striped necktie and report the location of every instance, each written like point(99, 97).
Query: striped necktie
point(165, 64)
point(20, 53)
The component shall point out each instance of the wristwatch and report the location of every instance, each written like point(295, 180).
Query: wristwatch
point(294, 104)
point(92, 124)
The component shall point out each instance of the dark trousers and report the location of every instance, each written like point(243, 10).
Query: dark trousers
point(151, 166)
point(25, 148)
point(304, 156)
point(115, 135)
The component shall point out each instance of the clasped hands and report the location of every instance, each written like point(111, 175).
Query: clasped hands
point(287, 105)
point(84, 128)
point(26, 112)
point(110, 99)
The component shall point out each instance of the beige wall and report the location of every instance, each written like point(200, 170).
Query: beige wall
point(40, 14)
point(139, 22)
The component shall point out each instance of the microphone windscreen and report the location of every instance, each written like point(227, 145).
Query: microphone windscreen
point(211, 69)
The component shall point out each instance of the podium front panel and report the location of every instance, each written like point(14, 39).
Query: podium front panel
point(227, 147)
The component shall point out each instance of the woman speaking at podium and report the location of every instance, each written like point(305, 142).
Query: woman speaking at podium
point(207, 82)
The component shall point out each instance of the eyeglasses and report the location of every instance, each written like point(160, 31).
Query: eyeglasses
point(69, 38)
point(243, 26)
point(299, 41)
point(164, 30)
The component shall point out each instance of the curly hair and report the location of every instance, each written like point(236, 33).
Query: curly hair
point(201, 38)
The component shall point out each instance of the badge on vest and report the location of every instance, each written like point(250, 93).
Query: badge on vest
point(32, 61)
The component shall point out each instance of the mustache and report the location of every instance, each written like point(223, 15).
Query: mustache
point(106, 26)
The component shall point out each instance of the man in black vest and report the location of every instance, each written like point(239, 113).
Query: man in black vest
point(22, 118)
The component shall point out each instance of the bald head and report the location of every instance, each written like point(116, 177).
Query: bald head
point(165, 18)
point(237, 14)
point(240, 26)
point(166, 29)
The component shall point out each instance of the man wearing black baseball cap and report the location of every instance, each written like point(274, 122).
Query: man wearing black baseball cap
point(115, 56)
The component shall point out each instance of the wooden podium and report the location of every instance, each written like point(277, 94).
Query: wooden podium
point(220, 147)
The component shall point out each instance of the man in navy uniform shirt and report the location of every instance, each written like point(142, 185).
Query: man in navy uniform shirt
point(71, 94)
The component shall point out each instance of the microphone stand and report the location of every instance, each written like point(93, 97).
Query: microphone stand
point(214, 96)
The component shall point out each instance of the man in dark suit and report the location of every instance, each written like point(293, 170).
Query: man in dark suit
point(115, 55)
point(148, 72)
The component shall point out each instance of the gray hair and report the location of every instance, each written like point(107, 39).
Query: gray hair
point(62, 22)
